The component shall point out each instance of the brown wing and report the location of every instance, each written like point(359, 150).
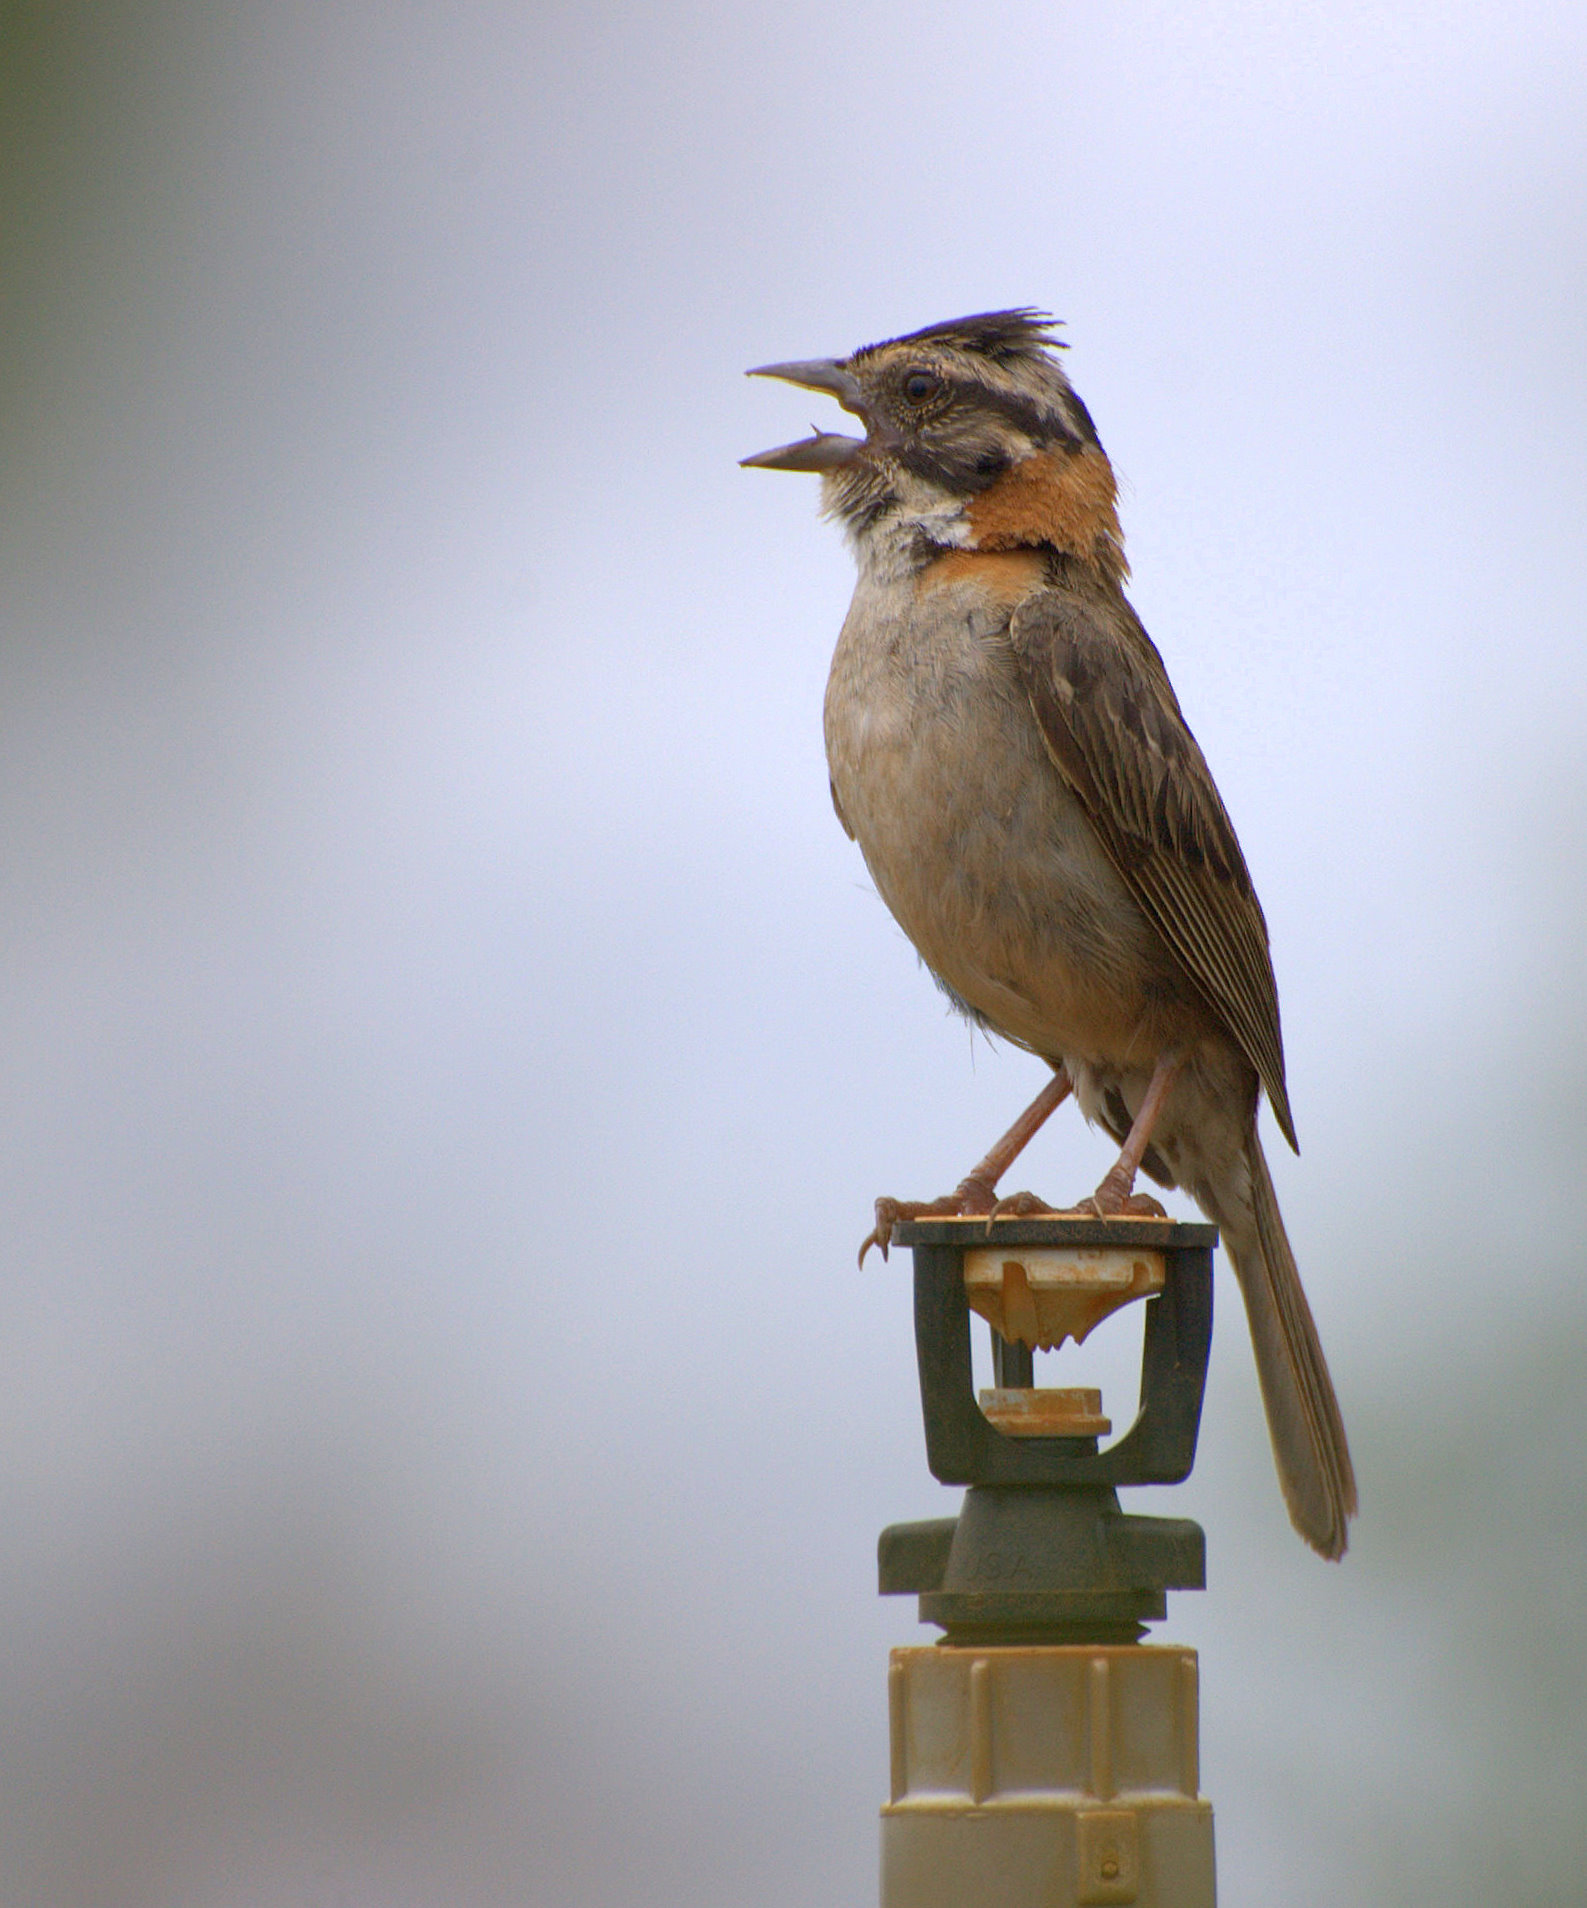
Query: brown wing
point(1113, 728)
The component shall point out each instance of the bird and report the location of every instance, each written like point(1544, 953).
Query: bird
point(1006, 748)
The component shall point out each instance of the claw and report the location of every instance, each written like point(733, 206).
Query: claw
point(888, 1214)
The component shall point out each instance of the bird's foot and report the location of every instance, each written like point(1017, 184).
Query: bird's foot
point(1131, 1206)
point(1113, 1199)
point(972, 1196)
point(1020, 1205)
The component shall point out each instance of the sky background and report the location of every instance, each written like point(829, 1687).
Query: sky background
point(450, 1049)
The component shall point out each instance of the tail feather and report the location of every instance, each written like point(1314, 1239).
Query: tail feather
point(1303, 1420)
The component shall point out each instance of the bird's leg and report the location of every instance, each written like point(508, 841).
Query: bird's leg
point(980, 1183)
point(977, 1191)
point(1115, 1197)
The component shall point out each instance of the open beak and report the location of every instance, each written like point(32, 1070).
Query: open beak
point(822, 450)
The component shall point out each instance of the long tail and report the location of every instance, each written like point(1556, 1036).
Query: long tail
point(1303, 1418)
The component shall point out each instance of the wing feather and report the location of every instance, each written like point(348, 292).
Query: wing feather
point(1114, 730)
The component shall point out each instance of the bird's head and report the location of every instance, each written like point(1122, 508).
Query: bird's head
point(973, 440)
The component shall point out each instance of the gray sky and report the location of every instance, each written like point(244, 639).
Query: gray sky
point(450, 1049)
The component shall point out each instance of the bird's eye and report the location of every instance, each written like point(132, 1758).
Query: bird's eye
point(918, 386)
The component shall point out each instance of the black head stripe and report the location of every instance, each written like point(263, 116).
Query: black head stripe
point(1038, 420)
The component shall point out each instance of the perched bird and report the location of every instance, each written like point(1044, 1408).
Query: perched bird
point(1007, 750)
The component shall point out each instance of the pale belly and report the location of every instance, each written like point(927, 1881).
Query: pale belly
point(974, 841)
